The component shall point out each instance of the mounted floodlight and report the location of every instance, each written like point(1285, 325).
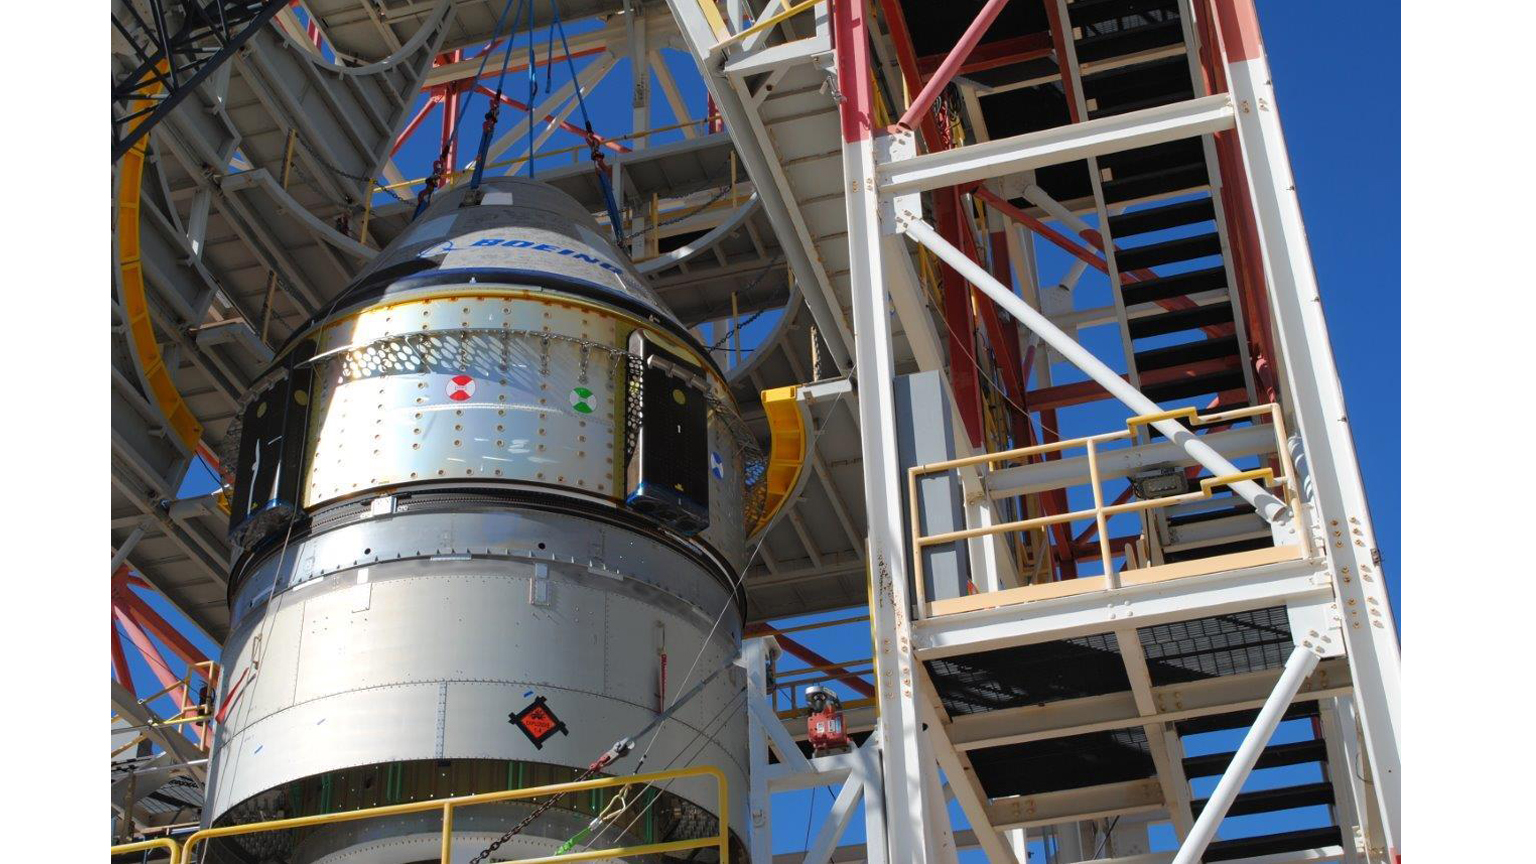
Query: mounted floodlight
point(1163, 482)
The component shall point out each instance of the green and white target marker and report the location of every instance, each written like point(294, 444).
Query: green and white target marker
point(581, 400)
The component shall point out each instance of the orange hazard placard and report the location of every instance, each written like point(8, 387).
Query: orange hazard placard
point(538, 722)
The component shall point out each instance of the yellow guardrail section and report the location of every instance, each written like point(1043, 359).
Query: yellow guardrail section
point(447, 806)
point(141, 330)
point(786, 451)
point(1100, 511)
point(760, 26)
point(165, 843)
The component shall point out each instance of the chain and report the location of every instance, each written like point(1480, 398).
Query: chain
point(537, 812)
point(373, 182)
point(691, 213)
point(756, 280)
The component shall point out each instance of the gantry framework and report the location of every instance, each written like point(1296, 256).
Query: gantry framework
point(1056, 638)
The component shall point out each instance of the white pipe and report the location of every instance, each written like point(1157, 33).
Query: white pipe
point(1301, 663)
point(1270, 508)
point(1038, 197)
point(123, 551)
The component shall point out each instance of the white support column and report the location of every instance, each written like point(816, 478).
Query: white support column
point(1300, 664)
point(755, 656)
point(963, 782)
point(121, 553)
point(1167, 757)
point(1348, 791)
point(1320, 414)
point(938, 831)
point(848, 797)
point(634, 24)
point(1270, 508)
point(874, 808)
point(904, 747)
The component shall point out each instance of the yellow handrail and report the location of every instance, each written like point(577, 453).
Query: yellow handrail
point(1100, 511)
point(764, 24)
point(165, 843)
point(447, 806)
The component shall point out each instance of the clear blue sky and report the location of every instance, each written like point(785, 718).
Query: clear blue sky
point(1339, 97)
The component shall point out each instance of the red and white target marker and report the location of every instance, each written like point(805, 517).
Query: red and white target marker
point(461, 387)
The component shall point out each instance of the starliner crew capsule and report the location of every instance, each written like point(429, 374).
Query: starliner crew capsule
point(483, 499)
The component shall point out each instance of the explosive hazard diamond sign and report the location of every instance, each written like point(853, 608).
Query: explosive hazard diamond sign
point(538, 722)
point(461, 387)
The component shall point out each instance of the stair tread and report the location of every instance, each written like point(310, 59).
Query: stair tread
point(1151, 219)
point(1177, 285)
point(1273, 756)
point(1196, 385)
point(1181, 319)
point(1168, 251)
point(1163, 181)
point(1271, 800)
point(1187, 352)
point(1273, 844)
point(1092, 11)
point(1102, 46)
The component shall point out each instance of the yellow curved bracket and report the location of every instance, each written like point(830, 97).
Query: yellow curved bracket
point(1188, 413)
point(1259, 474)
point(130, 270)
point(787, 427)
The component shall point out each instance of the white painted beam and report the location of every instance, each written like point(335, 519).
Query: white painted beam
point(1111, 711)
point(1055, 146)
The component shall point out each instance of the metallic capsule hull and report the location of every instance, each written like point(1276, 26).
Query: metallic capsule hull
point(440, 514)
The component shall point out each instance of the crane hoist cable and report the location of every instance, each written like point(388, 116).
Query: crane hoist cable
point(488, 128)
point(424, 197)
point(599, 163)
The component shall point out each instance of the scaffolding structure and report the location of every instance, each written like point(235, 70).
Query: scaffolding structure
point(893, 179)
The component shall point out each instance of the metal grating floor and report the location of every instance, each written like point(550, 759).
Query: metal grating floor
point(1220, 645)
point(1029, 674)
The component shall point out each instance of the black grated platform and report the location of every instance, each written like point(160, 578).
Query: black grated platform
point(1063, 763)
point(1220, 645)
point(1029, 674)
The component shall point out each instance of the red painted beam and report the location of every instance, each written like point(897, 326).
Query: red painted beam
point(1056, 237)
point(1009, 350)
point(567, 126)
point(1090, 550)
point(812, 658)
point(410, 128)
point(150, 620)
point(120, 666)
point(147, 649)
point(1083, 392)
point(950, 66)
point(964, 377)
point(1059, 36)
point(993, 55)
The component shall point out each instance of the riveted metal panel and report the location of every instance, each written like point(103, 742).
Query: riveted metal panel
point(444, 650)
